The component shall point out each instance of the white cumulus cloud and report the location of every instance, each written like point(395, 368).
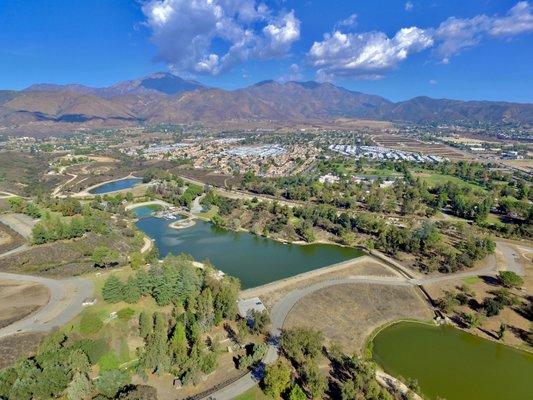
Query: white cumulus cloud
point(365, 54)
point(457, 34)
point(371, 54)
point(212, 36)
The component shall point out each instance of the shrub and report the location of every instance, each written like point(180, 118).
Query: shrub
point(510, 279)
point(125, 314)
point(90, 324)
point(108, 361)
point(94, 349)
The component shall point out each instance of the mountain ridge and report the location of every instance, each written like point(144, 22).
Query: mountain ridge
point(167, 98)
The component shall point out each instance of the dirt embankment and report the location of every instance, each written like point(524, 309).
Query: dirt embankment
point(20, 299)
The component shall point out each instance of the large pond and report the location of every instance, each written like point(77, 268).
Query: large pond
point(121, 184)
point(254, 260)
point(453, 364)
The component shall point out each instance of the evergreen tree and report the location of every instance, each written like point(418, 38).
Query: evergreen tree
point(145, 324)
point(113, 290)
point(131, 292)
point(179, 345)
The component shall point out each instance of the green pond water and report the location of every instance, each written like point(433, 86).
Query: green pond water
point(254, 260)
point(453, 364)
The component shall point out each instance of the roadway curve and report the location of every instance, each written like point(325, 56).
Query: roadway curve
point(283, 307)
point(66, 298)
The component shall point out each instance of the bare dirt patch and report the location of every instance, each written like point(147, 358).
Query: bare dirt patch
point(14, 347)
point(20, 299)
point(348, 313)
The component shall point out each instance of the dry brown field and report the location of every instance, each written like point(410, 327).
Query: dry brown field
point(347, 314)
point(20, 299)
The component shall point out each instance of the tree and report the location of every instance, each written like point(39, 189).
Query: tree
point(145, 324)
point(39, 234)
point(501, 331)
point(178, 345)
point(315, 382)
point(130, 292)
point(79, 388)
point(136, 260)
point(110, 382)
point(510, 279)
point(471, 320)
point(104, 257)
point(301, 345)
point(277, 379)
point(53, 380)
point(297, 393)
point(113, 290)
point(492, 306)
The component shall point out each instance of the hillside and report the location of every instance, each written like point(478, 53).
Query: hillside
point(166, 98)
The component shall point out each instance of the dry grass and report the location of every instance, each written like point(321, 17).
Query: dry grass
point(14, 347)
point(19, 299)
point(347, 314)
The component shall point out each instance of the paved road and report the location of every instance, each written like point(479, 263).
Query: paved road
point(66, 298)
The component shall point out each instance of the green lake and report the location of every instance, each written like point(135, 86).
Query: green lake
point(454, 364)
point(254, 260)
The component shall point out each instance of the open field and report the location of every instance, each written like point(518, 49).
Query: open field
point(253, 394)
point(20, 299)
point(25, 173)
point(347, 314)
point(434, 179)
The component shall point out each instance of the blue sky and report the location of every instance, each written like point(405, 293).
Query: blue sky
point(464, 49)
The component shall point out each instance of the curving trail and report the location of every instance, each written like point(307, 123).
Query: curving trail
point(66, 298)
point(283, 307)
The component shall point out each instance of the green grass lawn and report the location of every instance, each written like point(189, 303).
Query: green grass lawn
point(472, 280)
point(253, 394)
point(433, 179)
point(207, 215)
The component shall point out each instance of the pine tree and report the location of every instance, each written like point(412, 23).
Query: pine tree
point(145, 324)
point(131, 292)
point(113, 290)
point(179, 345)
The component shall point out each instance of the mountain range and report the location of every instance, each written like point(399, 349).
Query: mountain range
point(166, 98)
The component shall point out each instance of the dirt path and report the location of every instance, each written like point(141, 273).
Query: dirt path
point(57, 190)
point(66, 298)
point(20, 223)
point(282, 308)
